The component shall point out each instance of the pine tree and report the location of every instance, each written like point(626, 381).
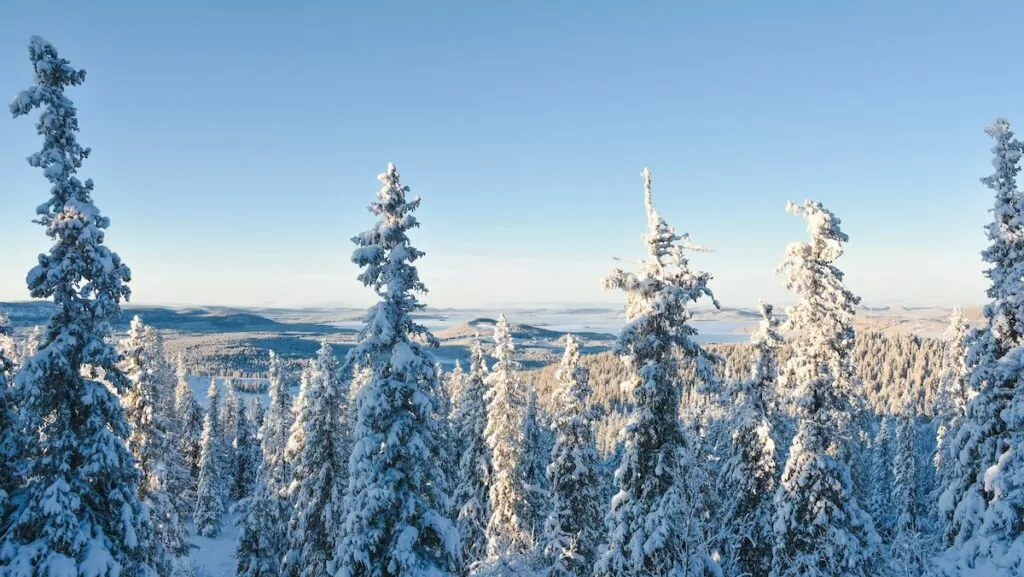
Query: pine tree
point(985, 490)
point(572, 530)
point(509, 530)
point(748, 477)
point(472, 492)
point(395, 521)
point(10, 442)
point(655, 525)
point(152, 446)
point(263, 539)
point(908, 553)
point(190, 421)
point(820, 529)
point(247, 453)
point(319, 441)
point(80, 511)
point(211, 493)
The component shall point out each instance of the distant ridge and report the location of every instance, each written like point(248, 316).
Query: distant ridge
point(484, 326)
point(189, 319)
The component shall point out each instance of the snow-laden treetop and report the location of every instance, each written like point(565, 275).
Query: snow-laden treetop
point(69, 214)
point(658, 294)
point(387, 259)
point(1006, 234)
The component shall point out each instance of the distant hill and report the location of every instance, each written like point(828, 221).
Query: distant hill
point(190, 320)
point(484, 327)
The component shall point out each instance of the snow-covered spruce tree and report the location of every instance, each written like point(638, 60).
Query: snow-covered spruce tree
point(509, 531)
point(447, 438)
point(472, 492)
point(263, 538)
point(820, 529)
point(152, 447)
point(655, 527)
point(395, 522)
point(229, 406)
point(951, 401)
point(907, 556)
point(880, 505)
point(985, 490)
point(229, 412)
point(79, 512)
point(572, 530)
point(212, 492)
point(164, 371)
point(247, 454)
point(11, 444)
point(319, 441)
point(177, 476)
point(455, 385)
point(537, 447)
point(747, 479)
point(32, 342)
point(257, 412)
point(190, 420)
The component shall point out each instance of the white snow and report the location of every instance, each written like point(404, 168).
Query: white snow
point(216, 557)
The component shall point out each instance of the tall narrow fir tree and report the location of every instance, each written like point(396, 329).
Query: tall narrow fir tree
point(820, 529)
point(395, 508)
point(655, 525)
point(80, 512)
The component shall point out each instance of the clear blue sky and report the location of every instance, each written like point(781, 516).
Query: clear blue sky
point(236, 144)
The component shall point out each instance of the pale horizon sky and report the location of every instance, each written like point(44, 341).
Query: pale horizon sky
point(235, 146)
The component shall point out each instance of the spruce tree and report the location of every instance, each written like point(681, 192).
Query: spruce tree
point(230, 404)
point(152, 447)
point(985, 490)
point(80, 512)
point(456, 384)
point(395, 508)
point(211, 493)
point(880, 505)
point(509, 530)
point(656, 522)
point(10, 442)
point(257, 412)
point(747, 479)
point(247, 453)
point(572, 530)
point(951, 402)
point(472, 492)
point(820, 529)
point(263, 538)
point(190, 421)
point(448, 444)
point(537, 445)
point(319, 441)
point(908, 553)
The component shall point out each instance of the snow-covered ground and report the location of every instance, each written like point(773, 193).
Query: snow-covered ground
point(201, 383)
point(216, 557)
